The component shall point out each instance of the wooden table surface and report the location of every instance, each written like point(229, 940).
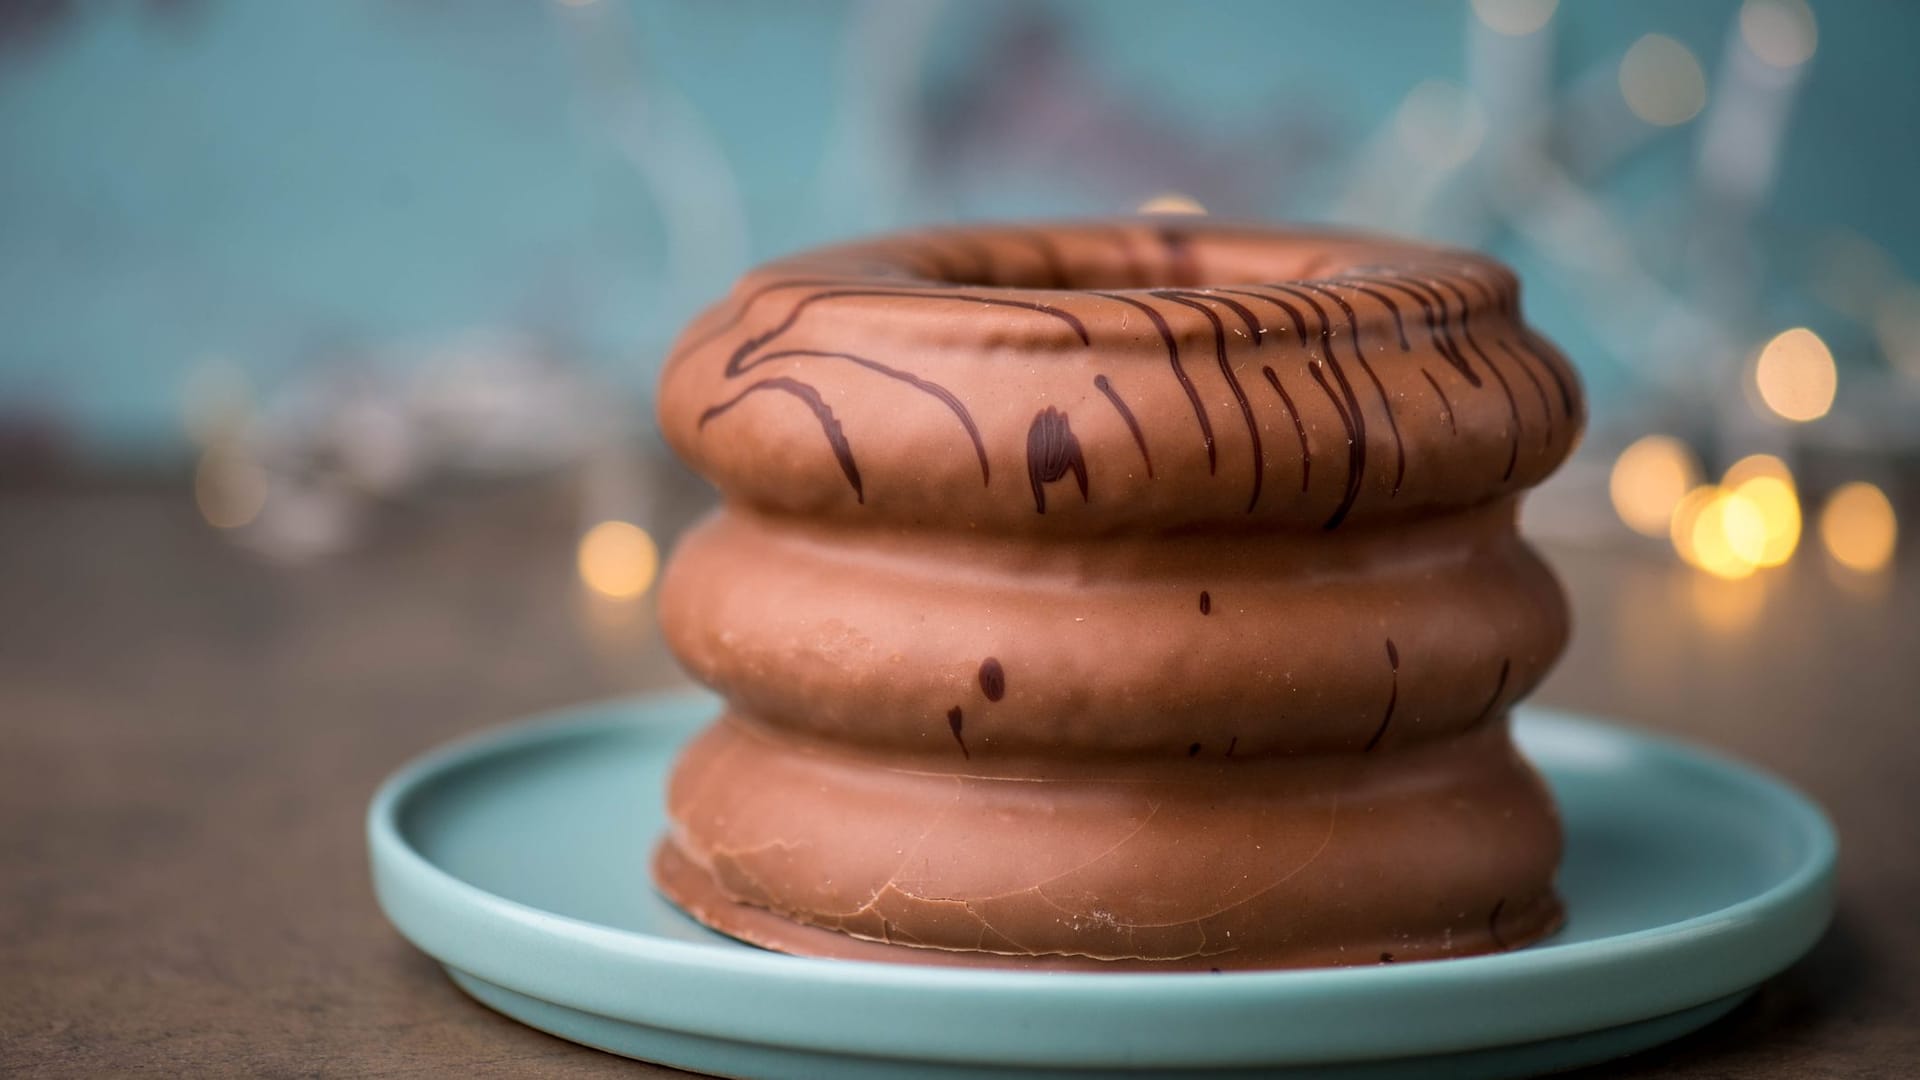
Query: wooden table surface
point(189, 737)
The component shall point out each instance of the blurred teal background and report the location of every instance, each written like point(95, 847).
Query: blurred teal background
point(268, 190)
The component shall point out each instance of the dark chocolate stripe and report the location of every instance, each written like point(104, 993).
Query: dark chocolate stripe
point(1101, 384)
point(1293, 313)
point(1499, 687)
point(1239, 309)
point(931, 389)
point(1299, 426)
point(1399, 324)
point(1386, 403)
point(1233, 383)
point(740, 308)
point(1493, 924)
point(1393, 696)
point(1437, 330)
point(1539, 388)
point(753, 343)
point(1506, 390)
point(829, 424)
point(1173, 358)
point(1356, 420)
point(1505, 298)
point(1053, 451)
point(1444, 403)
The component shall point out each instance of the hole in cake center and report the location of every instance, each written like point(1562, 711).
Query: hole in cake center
point(1149, 257)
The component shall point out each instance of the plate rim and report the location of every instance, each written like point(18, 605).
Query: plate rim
point(639, 978)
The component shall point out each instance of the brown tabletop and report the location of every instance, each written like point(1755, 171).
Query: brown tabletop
point(189, 737)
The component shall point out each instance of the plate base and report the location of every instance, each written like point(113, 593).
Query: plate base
point(721, 1057)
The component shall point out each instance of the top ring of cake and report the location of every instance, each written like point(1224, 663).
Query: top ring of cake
point(1109, 376)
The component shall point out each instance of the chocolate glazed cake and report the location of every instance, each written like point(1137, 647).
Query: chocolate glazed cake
point(1116, 595)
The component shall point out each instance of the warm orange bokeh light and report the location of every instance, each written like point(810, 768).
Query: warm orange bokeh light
point(618, 559)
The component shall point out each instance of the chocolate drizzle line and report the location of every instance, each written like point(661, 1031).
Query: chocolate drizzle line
point(1233, 383)
point(829, 424)
point(1399, 325)
point(1493, 924)
point(993, 679)
point(754, 343)
point(1206, 602)
point(745, 303)
point(1546, 410)
point(1505, 299)
point(1351, 416)
point(1386, 403)
point(1499, 687)
point(1053, 451)
point(1101, 384)
point(1466, 330)
point(1437, 330)
point(1231, 743)
point(1356, 449)
point(954, 721)
point(925, 386)
point(1393, 698)
point(1299, 428)
point(1245, 313)
point(1193, 750)
point(1173, 359)
point(1444, 403)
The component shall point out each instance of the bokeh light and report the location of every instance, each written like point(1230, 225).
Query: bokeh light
point(618, 559)
point(1514, 18)
point(1779, 507)
point(1441, 124)
point(1648, 481)
point(1662, 81)
point(229, 489)
point(1858, 527)
point(1781, 32)
point(1719, 531)
point(1172, 202)
point(1796, 376)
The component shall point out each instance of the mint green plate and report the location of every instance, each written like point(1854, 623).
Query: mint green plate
point(518, 859)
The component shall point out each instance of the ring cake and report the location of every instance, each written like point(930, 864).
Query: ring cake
point(1141, 594)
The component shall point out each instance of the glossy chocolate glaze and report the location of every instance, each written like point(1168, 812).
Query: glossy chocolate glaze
point(1120, 594)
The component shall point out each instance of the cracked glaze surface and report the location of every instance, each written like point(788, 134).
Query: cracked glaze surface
point(1131, 594)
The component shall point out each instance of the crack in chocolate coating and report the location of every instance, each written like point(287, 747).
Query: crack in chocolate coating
point(1165, 790)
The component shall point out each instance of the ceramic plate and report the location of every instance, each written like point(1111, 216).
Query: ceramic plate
point(518, 859)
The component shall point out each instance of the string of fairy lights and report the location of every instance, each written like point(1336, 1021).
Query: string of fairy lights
point(1508, 152)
